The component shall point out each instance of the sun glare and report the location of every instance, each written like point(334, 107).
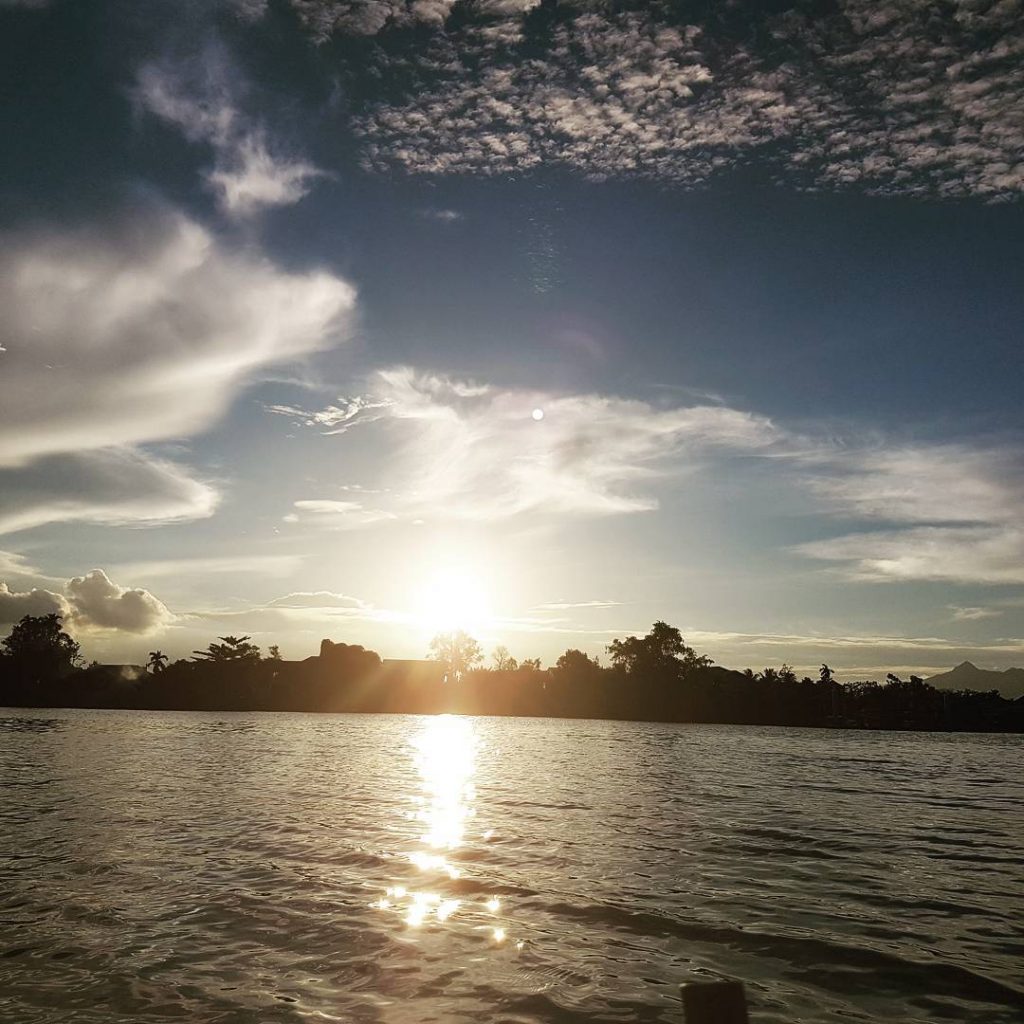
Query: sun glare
point(452, 599)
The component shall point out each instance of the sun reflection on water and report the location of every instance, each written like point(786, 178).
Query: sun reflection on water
point(444, 752)
point(445, 756)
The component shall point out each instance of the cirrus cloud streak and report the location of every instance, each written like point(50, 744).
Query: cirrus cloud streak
point(466, 450)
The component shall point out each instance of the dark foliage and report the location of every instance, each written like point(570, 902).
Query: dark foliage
point(38, 651)
point(653, 678)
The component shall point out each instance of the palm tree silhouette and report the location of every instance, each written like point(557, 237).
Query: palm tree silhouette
point(157, 661)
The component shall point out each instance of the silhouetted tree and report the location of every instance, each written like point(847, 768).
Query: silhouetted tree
point(664, 681)
point(503, 660)
point(273, 653)
point(575, 664)
point(662, 652)
point(157, 661)
point(39, 648)
point(457, 652)
point(231, 649)
point(575, 685)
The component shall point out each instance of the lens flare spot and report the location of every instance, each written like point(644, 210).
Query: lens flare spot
point(538, 414)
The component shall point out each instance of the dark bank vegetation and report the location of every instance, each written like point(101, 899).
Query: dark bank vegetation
point(656, 677)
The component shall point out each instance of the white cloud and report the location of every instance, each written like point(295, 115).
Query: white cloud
point(98, 603)
point(195, 98)
point(200, 99)
point(955, 509)
point(462, 450)
point(973, 614)
point(111, 486)
point(335, 515)
point(441, 214)
point(89, 603)
point(255, 179)
point(476, 452)
point(938, 483)
point(143, 330)
point(923, 101)
point(557, 606)
point(13, 564)
point(905, 655)
point(471, 451)
point(968, 554)
point(873, 640)
point(144, 327)
point(306, 611)
point(14, 604)
point(905, 98)
point(249, 10)
point(318, 599)
point(337, 418)
point(368, 17)
point(225, 565)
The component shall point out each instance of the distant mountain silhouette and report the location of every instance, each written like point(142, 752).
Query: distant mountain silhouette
point(967, 676)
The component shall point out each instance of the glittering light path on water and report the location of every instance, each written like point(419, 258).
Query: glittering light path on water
point(444, 752)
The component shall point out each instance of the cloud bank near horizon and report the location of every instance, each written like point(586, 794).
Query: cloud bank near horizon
point(89, 603)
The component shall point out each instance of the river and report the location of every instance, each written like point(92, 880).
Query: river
point(266, 868)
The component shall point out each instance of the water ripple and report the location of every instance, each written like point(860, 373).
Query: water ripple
point(391, 869)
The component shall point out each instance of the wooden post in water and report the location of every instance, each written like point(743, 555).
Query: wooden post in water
point(714, 1002)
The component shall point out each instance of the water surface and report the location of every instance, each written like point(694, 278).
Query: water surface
point(285, 868)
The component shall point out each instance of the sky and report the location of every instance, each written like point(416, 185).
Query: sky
point(370, 319)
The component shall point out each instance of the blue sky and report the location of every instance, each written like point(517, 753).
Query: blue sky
point(365, 319)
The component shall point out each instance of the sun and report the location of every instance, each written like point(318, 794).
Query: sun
point(450, 599)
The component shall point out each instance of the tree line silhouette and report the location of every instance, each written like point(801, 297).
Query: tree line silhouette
point(656, 677)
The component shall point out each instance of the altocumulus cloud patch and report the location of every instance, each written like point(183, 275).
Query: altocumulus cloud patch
point(898, 97)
